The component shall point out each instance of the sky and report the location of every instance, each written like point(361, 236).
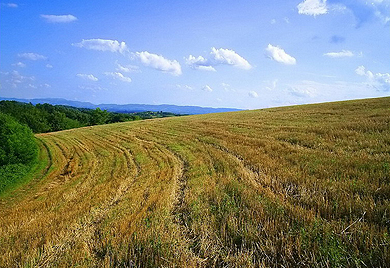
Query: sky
point(215, 53)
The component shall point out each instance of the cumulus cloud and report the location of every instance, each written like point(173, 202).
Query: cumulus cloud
point(229, 57)
point(312, 7)
point(253, 94)
point(19, 64)
point(218, 57)
point(59, 18)
point(32, 56)
point(199, 63)
point(118, 76)
point(278, 54)
point(207, 88)
point(88, 77)
point(378, 81)
point(341, 54)
point(102, 45)
point(158, 62)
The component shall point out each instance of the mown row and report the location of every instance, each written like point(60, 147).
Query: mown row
point(304, 186)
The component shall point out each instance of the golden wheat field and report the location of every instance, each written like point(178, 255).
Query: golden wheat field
point(302, 186)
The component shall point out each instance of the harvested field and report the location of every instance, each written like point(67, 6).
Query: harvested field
point(304, 186)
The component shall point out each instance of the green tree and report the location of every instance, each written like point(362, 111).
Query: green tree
point(17, 143)
point(99, 117)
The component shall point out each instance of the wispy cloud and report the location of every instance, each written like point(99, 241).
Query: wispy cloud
point(229, 57)
point(88, 77)
point(341, 54)
point(11, 5)
point(15, 79)
point(379, 81)
point(304, 90)
point(186, 87)
point(253, 94)
point(59, 18)
point(19, 64)
point(103, 45)
point(127, 68)
point(312, 7)
point(118, 76)
point(207, 88)
point(278, 54)
point(31, 56)
point(158, 62)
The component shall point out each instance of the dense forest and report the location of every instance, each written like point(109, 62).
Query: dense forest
point(41, 118)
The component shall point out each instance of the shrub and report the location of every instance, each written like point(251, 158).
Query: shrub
point(17, 143)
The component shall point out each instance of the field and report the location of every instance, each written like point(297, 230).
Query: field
point(304, 186)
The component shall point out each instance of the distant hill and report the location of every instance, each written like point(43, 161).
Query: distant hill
point(129, 108)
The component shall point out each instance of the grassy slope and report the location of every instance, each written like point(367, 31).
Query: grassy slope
point(305, 185)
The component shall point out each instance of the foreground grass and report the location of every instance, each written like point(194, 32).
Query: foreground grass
point(301, 186)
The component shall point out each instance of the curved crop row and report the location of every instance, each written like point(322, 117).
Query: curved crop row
point(297, 186)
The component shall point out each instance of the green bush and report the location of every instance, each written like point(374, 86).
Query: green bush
point(17, 143)
point(18, 150)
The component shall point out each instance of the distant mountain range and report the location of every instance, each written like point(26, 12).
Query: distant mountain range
point(129, 108)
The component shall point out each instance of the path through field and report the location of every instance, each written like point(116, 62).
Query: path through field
point(307, 186)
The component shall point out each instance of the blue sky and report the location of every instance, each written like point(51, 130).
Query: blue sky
point(241, 54)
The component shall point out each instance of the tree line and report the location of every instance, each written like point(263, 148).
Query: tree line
point(41, 118)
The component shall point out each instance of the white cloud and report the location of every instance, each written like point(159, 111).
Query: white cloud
point(304, 90)
point(15, 79)
point(227, 87)
point(278, 54)
point(118, 76)
point(273, 21)
point(312, 7)
point(19, 64)
point(206, 68)
point(273, 85)
point(207, 88)
point(88, 77)
point(186, 87)
point(12, 5)
point(199, 63)
point(102, 45)
point(59, 18)
point(49, 66)
point(229, 57)
point(160, 63)
point(379, 81)
point(253, 94)
point(32, 56)
point(341, 54)
point(127, 68)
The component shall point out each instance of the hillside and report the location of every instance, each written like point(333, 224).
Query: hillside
point(304, 186)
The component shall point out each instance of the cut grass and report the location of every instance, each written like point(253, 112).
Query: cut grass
point(304, 186)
